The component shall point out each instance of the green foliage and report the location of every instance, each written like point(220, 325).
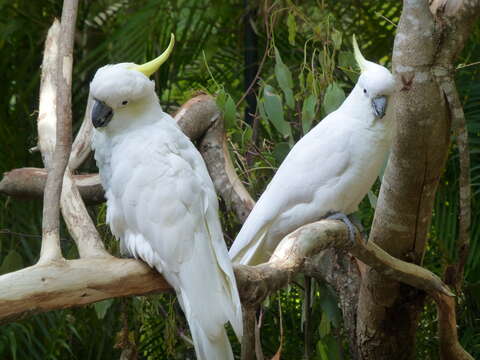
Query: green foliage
point(308, 69)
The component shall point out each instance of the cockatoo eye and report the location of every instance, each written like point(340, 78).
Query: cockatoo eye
point(124, 102)
point(365, 91)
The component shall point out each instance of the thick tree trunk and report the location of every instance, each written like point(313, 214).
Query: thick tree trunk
point(388, 312)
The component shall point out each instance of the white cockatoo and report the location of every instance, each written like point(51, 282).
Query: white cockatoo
point(161, 203)
point(328, 171)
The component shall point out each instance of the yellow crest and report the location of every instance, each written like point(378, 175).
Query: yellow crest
point(152, 66)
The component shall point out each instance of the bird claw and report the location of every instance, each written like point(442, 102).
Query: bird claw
point(352, 222)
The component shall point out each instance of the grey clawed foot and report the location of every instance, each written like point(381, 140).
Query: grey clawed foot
point(349, 222)
point(359, 226)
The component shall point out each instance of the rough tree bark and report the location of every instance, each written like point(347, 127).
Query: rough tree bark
point(388, 311)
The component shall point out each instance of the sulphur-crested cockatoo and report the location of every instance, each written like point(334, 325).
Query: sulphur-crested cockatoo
point(161, 202)
point(328, 171)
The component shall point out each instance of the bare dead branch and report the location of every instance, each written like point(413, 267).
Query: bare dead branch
point(29, 183)
point(290, 257)
point(197, 115)
point(62, 284)
point(47, 117)
point(47, 127)
point(255, 282)
point(79, 222)
point(75, 214)
point(63, 79)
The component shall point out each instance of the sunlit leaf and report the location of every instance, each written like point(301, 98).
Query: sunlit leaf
point(321, 351)
point(292, 28)
point(324, 326)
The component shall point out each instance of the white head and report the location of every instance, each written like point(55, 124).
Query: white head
point(124, 86)
point(376, 82)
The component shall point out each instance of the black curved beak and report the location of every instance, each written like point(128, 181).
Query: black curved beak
point(101, 114)
point(379, 105)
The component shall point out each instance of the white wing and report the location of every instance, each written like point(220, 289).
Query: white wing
point(311, 182)
point(163, 207)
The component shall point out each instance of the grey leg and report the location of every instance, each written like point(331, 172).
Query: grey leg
point(349, 222)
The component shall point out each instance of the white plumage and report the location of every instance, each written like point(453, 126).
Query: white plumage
point(329, 170)
point(162, 205)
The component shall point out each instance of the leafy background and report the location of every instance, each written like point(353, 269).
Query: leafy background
point(307, 70)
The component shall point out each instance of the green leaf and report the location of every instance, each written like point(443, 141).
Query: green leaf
point(227, 105)
point(12, 262)
point(324, 326)
point(301, 81)
point(292, 28)
point(308, 112)
point(321, 351)
point(346, 59)
point(221, 98)
point(102, 307)
point(334, 97)
point(337, 39)
point(281, 151)
point(284, 79)
point(229, 112)
point(274, 110)
point(13, 344)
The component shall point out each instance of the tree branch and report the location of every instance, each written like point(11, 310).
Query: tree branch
point(62, 284)
point(74, 212)
point(29, 183)
point(254, 282)
point(50, 249)
point(197, 115)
